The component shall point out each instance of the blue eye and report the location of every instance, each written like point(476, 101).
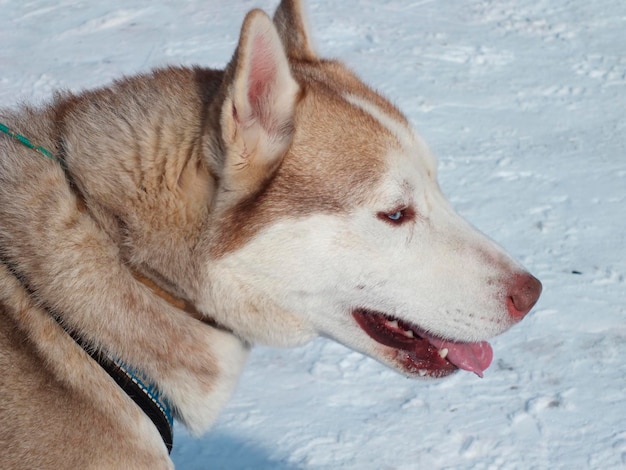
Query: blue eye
point(398, 217)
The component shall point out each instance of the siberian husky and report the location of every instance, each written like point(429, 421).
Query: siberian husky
point(187, 214)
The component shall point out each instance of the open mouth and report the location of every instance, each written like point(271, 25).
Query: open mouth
point(420, 353)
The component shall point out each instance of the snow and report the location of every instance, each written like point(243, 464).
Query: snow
point(524, 103)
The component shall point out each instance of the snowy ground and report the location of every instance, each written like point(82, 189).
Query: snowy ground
point(524, 102)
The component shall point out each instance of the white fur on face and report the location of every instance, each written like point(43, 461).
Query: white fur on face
point(306, 275)
point(435, 272)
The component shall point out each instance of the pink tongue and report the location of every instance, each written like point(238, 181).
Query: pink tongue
point(474, 357)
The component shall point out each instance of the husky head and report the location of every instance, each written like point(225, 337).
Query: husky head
point(327, 219)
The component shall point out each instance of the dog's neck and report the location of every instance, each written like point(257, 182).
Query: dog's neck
point(138, 388)
point(141, 391)
point(177, 302)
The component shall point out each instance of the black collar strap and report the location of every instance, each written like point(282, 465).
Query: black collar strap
point(150, 400)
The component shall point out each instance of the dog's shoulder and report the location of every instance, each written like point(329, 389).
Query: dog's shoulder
point(65, 398)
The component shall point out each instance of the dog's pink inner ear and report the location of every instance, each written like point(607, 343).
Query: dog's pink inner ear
point(264, 90)
point(262, 78)
point(257, 119)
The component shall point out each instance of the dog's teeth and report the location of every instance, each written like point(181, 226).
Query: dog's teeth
point(408, 333)
point(422, 373)
point(443, 353)
point(392, 324)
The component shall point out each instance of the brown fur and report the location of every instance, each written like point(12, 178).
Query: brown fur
point(164, 173)
point(300, 169)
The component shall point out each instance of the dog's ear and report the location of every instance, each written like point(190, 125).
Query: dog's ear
point(258, 107)
point(290, 22)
